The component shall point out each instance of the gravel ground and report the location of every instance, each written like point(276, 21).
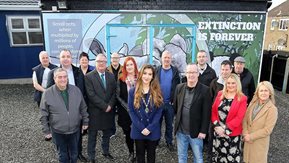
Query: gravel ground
point(21, 138)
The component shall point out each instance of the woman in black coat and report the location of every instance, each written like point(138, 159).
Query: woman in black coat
point(126, 81)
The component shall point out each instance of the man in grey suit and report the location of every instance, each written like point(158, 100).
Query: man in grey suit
point(100, 88)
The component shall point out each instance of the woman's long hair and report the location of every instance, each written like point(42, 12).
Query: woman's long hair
point(269, 86)
point(155, 90)
point(239, 92)
point(124, 72)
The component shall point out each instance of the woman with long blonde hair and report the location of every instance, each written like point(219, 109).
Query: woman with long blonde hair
point(258, 124)
point(144, 104)
point(227, 115)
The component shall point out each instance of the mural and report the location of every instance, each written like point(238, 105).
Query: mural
point(133, 34)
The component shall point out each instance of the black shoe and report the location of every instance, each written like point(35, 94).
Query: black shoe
point(82, 158)
point(108, 156)
point(92, 161)
point(170, 147)
point(131, 157)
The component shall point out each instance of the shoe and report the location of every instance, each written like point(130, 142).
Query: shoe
point(108, 156)
point(82, 158)
point(92, 161)
point(48, 139)
point(170, 147)
point(131, 157)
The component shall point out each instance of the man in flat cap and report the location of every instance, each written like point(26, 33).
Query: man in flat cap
point(246, 77)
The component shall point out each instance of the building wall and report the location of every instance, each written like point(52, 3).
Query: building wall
point(16, 62)
point(223, 5)
point(272, 36)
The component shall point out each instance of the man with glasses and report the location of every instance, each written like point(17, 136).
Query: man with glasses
point(62, 109)
point(100, 88)
point(192, 104)
point(115, 66)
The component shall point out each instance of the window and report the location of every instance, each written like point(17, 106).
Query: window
point(274, 24)
point(24, 30)
point(284, 24)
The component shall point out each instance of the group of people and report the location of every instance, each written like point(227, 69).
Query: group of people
point(235, 119)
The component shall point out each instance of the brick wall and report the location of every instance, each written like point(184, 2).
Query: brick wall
point(217, 5)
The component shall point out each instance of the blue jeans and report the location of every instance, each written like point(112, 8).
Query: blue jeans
point(168, 114)
point(67, 146)
point(183, 142)
point(91, 143)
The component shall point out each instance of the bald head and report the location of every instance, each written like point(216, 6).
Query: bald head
point(114, 59)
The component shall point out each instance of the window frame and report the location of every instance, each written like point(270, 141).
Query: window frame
point(25, 29)
point(281, 24)
point(272, 27)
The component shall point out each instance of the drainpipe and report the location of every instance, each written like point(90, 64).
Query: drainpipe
point(272, 65)
point(285, 81)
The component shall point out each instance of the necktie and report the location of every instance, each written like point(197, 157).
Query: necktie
point(103, 80)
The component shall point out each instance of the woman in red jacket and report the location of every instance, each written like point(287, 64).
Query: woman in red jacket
point(228, 112)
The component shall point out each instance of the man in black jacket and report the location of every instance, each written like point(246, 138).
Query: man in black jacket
point(246, 77)
point(169, 78)
point(207, 74)
point(192, 104)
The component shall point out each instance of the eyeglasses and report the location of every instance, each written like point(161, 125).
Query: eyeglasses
point(61, 77)
point(193, 72)
point(101, 61)
point(115, 58)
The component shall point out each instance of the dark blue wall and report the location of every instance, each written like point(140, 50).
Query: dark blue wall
point(16, 62)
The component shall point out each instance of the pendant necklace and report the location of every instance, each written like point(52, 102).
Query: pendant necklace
point(146, 104)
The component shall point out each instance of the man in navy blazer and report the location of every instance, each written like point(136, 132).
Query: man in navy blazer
point(100, 88)
point(192, 104)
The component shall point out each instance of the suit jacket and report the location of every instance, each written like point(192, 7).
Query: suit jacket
point(78, 78)
point(235, 116)
point(141, 120)
point(200, 110)
point(99, 98)
point(259, 129)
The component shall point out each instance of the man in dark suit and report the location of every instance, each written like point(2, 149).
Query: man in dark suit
point(75, 77)
point(192, 104)
point(100, 88)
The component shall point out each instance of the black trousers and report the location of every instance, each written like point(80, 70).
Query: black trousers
point(80, 140)
point(124, 122)
point(143, 147)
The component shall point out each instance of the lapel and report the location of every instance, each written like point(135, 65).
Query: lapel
point(97, 80)
point(262, 111)
point(181, 97)
point(197, 93)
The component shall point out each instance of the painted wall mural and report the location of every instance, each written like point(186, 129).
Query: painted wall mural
point(133, 34)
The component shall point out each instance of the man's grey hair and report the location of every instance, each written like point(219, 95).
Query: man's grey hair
point(192, 64)
point(58, 70)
